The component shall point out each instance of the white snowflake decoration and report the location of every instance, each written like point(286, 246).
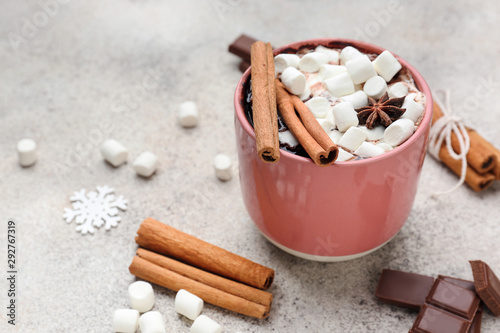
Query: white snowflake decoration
point(95, 209)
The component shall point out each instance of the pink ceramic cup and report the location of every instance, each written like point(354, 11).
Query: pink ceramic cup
point(333, 213)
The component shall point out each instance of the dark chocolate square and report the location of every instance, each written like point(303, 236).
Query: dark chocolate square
point(435, 320)
point(487, 285)
point(453, 298)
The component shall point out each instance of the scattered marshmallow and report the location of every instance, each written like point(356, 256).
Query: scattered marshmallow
point(152, 322)
point(114, 152)
point(360, 69)
point(333, 55)
point(357, 99)
point(26, 152)
point(386, 65)
point(188, 114)
point(368, 150)
point(203, 324)
point(145, 164)
point(335, 135)
point(286, 137)
point(344, 155)
point(413, 109)
point(310, 62)
point(352, 138)
point(384, 146)
point(398, 89)
point(340, 85)
point(125, 321)
point(328, 71)
point(222, 166)
point(284, 60)
point(375, 87)
point(319, 106)
point(141, 296)
point(399, 131)
point(187, 304)
point(373, 134)
point(345, 116)
point(326, 124)
point(306, 94)
point(293, 80)
point(349, 53)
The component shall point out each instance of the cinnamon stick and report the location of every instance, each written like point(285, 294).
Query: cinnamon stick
point(476, 137)
point(476, 181)
point(158, 237)
point(264, 102)
point(209, 279)
point(305, 127)
point(148, 271)
point(480, 156)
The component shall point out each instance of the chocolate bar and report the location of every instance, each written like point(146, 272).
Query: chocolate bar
point(435, 320)
point(459, 282)
point(475, 327)
point(487, 285)
point(241, 48)
point(453, 298)
point(403, 289)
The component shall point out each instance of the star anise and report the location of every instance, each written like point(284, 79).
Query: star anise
point(385, 111)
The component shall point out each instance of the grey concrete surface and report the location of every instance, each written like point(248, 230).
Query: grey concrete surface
point(69, 69)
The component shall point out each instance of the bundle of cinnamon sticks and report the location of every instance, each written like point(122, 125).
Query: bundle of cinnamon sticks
point(268, 95)
point(175, 260)
point(483, 159)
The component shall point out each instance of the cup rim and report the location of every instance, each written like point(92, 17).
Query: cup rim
point(309, 43)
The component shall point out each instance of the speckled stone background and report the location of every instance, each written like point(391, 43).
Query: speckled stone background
point(88, 64)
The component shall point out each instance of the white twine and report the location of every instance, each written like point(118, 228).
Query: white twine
point(442, 130)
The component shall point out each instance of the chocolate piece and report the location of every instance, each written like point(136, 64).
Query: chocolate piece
point(435, 320)
point(453, 298)
point(459, 282)
point(487, 285)
point(241, 47)
point(475, 327)
point(404, 289)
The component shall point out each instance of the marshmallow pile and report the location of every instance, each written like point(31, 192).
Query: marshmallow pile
point(141, 298)
point(333, 83)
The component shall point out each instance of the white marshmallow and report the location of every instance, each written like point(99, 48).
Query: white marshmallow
point(333, 55)
point(286, 137)
point(345, 116)
point(358, 99)
point(375, 133)
point(399, 131)
point(203, 324)
point(284, 60)
point(306, 94)
point(145, 164)
point(125, 321)
point(141, 296)
point(114, 152)
point(222, 166)
point(187, 304)
point(326, 124)
point(413, 109)
point(26, 152)
point(386, 65)
point(319, 106)
point(368, 150)
point(152, 322)
point(310, 62)
point(335, 135)
point(293, 80)
point(188, 114)
point(352, 138)
point(384, 146)
point(360, 69)
point(344, 155)
point(375, 87)
point(349, 53)
point(328, 71)
point(329, 116)
point(398, 89)
point(340, 85)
